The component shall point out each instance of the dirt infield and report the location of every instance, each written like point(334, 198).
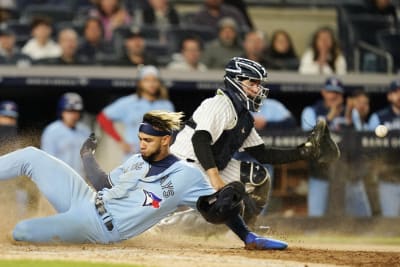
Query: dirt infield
point(166, 247)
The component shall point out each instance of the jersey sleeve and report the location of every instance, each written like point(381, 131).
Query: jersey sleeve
point(199, 187)
point(48, 142)
point(116, 111)
point(215, 115)
point(113, 176)
point(373, 122)
point(254, 139)
point(308, 119)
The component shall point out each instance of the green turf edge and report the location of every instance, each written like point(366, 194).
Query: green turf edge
point(349, 239)
point(59, 263)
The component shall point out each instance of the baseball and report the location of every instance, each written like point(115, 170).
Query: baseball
point(381, 131)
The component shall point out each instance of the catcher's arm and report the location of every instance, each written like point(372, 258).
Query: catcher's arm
point(96, 176)
point(201, 141)
point(319, 146)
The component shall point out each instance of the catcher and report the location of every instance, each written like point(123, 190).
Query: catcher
point(223, 125)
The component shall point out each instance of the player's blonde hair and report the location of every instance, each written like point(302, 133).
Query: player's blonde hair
point(164, 120)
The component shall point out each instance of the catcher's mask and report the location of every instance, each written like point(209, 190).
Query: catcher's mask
point(223, 204)
point(239, 69)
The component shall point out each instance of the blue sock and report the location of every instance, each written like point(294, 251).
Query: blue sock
point(238, 226)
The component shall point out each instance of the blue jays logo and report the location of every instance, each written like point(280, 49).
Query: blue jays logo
point(151, 199)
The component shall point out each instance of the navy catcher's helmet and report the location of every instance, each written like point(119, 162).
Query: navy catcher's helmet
point(70, 102)
point(239, 69)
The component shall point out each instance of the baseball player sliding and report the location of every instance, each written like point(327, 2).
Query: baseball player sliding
point(131, 198)
point(223, 125)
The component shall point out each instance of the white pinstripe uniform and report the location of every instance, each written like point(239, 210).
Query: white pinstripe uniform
point(214, 115)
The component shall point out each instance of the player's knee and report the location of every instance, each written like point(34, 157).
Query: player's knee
point(32, 152)
point(253, 173)
point(22, 232)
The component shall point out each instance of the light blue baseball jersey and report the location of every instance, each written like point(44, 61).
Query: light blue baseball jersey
point(129, 110)
point(65, 143)
point(138, 199)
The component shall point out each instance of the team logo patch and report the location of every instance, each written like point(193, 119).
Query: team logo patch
point(150, 199)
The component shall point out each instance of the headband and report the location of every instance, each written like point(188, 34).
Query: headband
point(147, 128)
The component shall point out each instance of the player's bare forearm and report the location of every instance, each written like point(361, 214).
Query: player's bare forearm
point(215, 179)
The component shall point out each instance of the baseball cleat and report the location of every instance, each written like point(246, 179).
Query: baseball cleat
point(256, 242)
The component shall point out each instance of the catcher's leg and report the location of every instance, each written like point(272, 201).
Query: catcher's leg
point(258, 186)
point(60, 184)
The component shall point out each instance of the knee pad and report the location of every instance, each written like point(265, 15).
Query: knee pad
point(253, 173)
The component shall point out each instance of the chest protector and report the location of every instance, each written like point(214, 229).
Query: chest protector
point(231, 140)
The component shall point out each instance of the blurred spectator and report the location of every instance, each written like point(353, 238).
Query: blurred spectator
point(242, 7)
point(112, 14)
point(135, 50)
point(64, 137)
point(387, 169)
point(41, 46)
point(8, 120)
point(254, 46)
point(93, 46)
point(331, 108)
point(357, 110)
point(383, 8)
point(9, 53)
point(160, 13)
point(281, 54)
point(226, 46)
point(68, 41)
point(389, 116)
point(7, 10)
point(273, 115)
point(356, 199)
point(324, 56)
point(213, 11)
point(189, 58)
point(150, 94)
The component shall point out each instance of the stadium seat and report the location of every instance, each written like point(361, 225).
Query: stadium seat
point(161, 52)
point(365, 28)
point(176, 34)
point(55, 12)
point(389, 41)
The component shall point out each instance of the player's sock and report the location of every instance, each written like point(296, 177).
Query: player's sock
point(237, 225)
point(254, 241)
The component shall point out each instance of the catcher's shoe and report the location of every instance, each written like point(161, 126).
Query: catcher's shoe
point(256, 242)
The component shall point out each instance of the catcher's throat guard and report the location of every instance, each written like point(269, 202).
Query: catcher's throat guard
point(217, 208)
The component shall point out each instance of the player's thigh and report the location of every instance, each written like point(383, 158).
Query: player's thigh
point(59, 183)
point(231, 172)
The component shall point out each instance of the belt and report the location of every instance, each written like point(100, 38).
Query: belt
point(101, 210)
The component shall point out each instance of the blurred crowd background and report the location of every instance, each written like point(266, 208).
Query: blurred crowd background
point(324, 38)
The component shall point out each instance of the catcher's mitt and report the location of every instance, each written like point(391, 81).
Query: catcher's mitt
point(320, 145)
point(223, 204)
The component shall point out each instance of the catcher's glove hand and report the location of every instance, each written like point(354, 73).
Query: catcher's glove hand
point(89, 146)
point(320, 145)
